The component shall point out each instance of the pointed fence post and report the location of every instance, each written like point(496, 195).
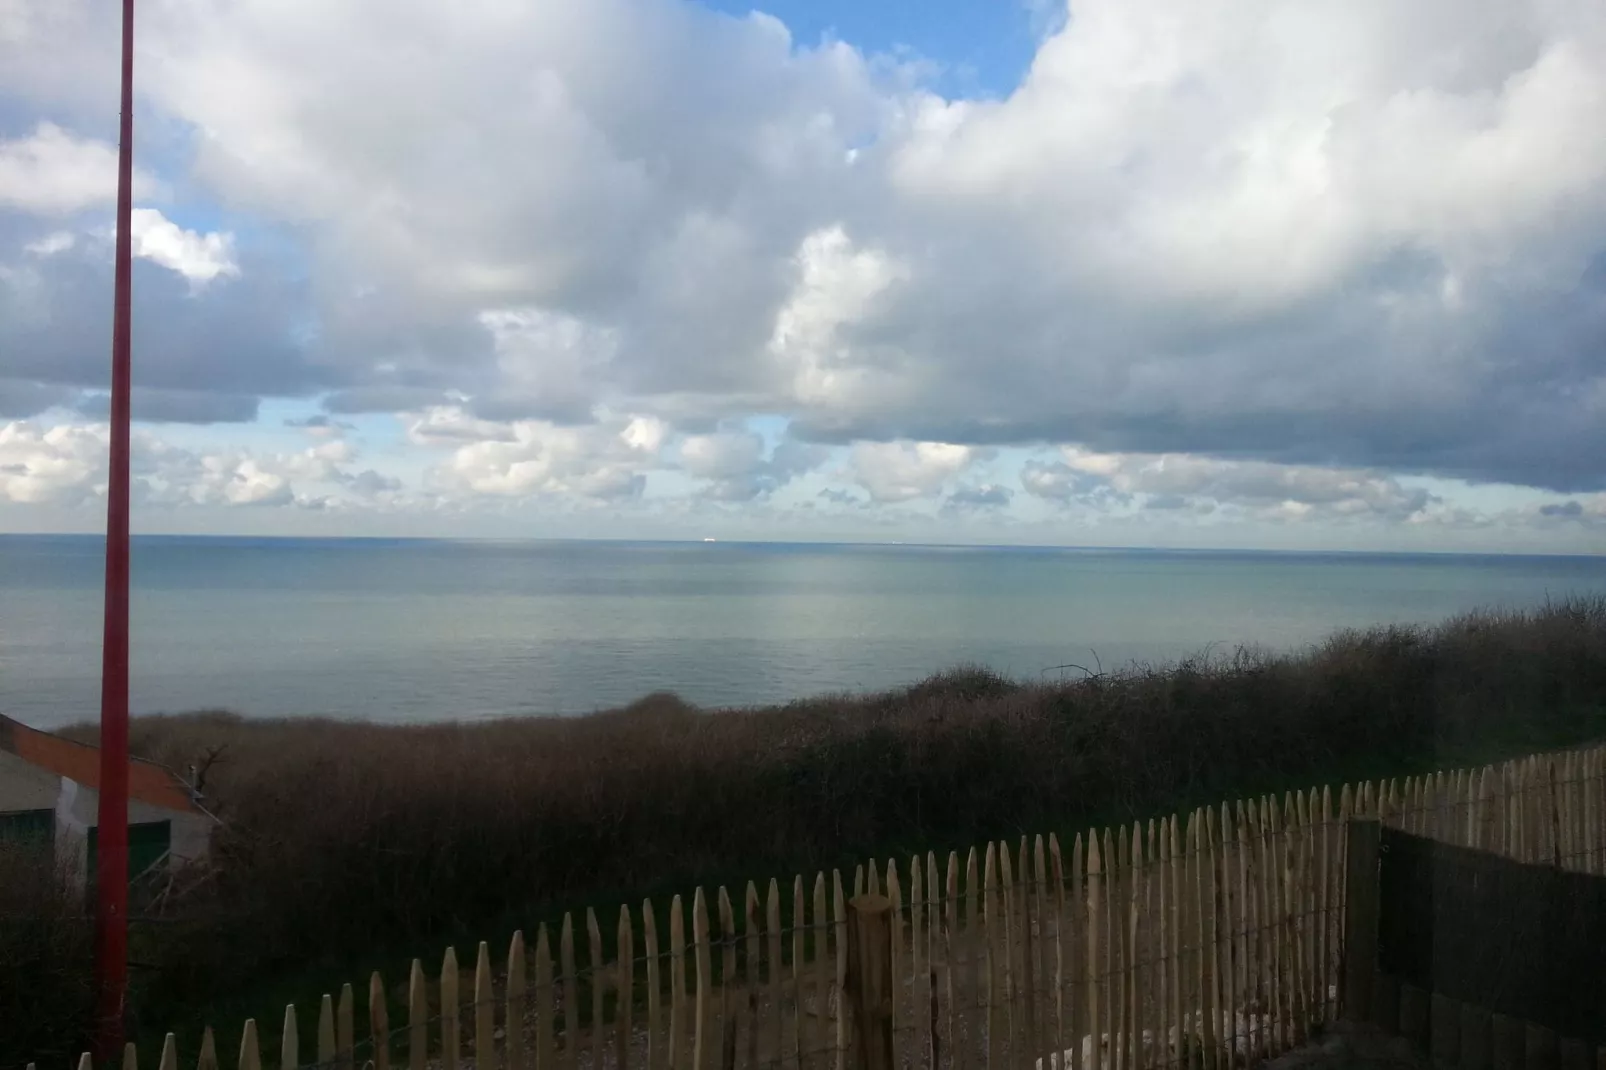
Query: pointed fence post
point(869, 980)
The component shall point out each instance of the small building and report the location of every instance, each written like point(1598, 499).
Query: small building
point(49, 791)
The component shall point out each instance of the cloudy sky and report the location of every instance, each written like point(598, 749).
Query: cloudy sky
point(1157, 272)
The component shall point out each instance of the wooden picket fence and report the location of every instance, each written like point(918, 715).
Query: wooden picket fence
point(1210, 940)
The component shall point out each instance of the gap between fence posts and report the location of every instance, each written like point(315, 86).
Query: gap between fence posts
point(869, 980)
point(1362, 840)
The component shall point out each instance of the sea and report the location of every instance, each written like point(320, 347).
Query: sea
point(432, 630)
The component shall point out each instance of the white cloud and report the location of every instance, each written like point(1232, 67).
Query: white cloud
point(981, 496)
point(240, 482)
point(54, 172)
point(524, 458)
point(56, 465)
point(370, 484)
point(1173, 481)
point(55, 242)
point(735, 465)
point(903, 471)
point(200, 258)
point(65, 465)
point(549, 362)
point(1276, 257)
point(837, 285)
point(722, 455)
point(444, 424)
point(1056, 480)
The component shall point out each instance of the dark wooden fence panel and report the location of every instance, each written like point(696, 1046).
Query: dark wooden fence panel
point(1520, 940)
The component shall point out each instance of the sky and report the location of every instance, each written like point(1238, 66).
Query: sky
point(1208, 273)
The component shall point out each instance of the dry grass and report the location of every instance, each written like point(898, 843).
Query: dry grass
point(346, 838)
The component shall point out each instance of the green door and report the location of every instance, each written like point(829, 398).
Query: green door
point(148, 841)
point(28, 826)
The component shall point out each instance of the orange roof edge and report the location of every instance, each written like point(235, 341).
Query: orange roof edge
point(149, 783)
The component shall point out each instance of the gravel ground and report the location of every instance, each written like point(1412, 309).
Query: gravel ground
point(1346, 1046)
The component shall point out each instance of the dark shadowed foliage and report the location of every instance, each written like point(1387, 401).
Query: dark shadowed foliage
point(46, 954)
point(346, 838)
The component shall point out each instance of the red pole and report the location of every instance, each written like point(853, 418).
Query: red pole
point(111, 872)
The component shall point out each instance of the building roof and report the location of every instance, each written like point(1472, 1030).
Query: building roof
point(148, 782)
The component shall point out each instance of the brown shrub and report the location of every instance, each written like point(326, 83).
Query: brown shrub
point(344, 838)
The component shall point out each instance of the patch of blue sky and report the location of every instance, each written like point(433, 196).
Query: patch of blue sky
point(978, 48)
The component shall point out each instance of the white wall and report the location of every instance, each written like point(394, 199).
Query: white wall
point(25, 786)
point(78, 808)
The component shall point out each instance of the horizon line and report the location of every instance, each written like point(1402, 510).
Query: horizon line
point(907, 544)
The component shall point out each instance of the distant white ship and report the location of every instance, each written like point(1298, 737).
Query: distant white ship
point(709, 538)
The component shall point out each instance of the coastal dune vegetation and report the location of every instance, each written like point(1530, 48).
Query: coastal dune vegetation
point(346, 842)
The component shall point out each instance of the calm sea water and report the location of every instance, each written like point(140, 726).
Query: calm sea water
point(427, 630)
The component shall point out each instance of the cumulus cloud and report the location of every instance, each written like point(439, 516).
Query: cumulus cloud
point(1178, 481)
point(56, 465)
point(152, 405)
point(200, 258)
point(21, 398)
point(58, 241)
point(736, 467)
point(54, 172)
point(370, 484)
point(240, 482)
point(1058, 481)
point(982, 496)
point(836, 286)
point(841, 496)
point(321, 425)
point(903, 471)
point(445, 424)
point(1243, 252)
point(550, 364)
point(204, 352)
point(1589, 512)
point(523, 458)
point(65, 465)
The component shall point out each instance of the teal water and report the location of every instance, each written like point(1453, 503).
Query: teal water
point(428, 630)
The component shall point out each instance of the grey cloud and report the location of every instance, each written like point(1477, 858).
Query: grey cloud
point(1384, 285)
point(499, 406)
point(318, 421)
point(230, 340)
point(1177, 481)
point(838, 496)
point(175, 406)
point(1568, 509)
point(985, 496)
point(369, 483)
point(358, 400)
point(1514, 395)
point(1049, 480)
point(1057, 481)
point(21, 398)
point(1171, 503)
point(281, 495)
point(734, 464)
point(687, 257)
